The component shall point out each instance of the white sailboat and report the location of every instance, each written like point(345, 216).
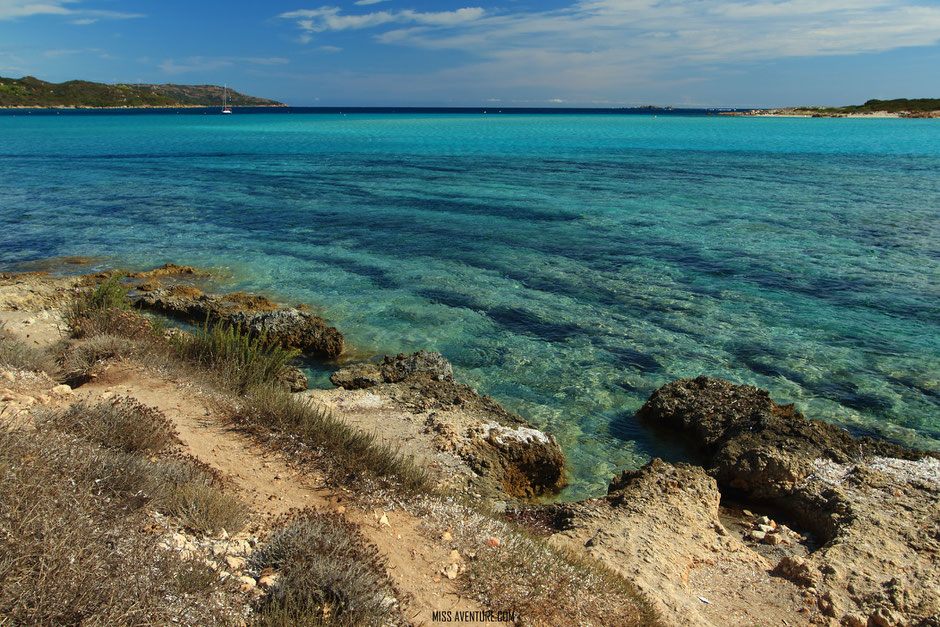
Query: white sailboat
point(225, 107)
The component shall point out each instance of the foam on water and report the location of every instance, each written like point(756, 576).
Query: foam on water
point(566, 265)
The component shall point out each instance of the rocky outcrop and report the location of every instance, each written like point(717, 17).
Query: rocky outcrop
point(499, 446)
point(749, 442)
point(874, 505)
point(659, 527)
point(289, 326)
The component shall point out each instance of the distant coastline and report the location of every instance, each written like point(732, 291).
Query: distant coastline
point(898, 108)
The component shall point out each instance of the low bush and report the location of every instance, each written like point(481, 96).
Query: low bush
point(70, 554)
point(327, 575)
point(83, 361)
point(179, 486)
point(124, 424)
point(351, 452)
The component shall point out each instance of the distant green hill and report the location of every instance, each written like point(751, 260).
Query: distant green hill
point(32, 92)
point(896, 105)
point(205, 95)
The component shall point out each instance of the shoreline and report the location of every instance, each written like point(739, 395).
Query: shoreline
point(678, 546)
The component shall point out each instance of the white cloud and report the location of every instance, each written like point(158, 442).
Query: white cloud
point(600, 48)
point(12, 9)
point(332, 18)
point(208, 64)
point(367, 2)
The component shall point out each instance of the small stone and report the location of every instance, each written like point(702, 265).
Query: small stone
point(178, 540)
point(384, 521)
point(340, 509)
point(765, 528)
point(446, 537)
point(451, 571)
point(62, 390)
point(763, 520)
point(219, 549)
point(758, 535)
point(268, 581)
point(773, 539)
point(235, 563)
point(748, 513)
point(248, 583)
point(211, 564)
point(494, 542)
point(455, 556)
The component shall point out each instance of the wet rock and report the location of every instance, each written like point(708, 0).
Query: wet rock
point(417, 367)
point(292, 378)
point(288, 326)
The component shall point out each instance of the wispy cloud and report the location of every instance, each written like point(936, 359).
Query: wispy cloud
point(367, 2)
point(13, 9)
point(607, 48)
point(333, 19)
point(206, 64)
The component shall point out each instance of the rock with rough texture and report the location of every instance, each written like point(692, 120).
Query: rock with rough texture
point(874, 505)
point(292, 378)
point(658, 526)
point(496, 444)
point(289, 326)
point(749, 442)
point(422, 366)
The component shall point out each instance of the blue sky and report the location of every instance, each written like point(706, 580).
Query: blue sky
point(491, 53)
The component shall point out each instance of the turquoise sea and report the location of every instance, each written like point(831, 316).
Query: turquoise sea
point(566, 264)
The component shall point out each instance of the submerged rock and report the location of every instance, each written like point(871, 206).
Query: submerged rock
point(496, 444)
point(289, 326)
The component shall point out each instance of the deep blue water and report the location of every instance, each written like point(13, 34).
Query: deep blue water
point(566, 264)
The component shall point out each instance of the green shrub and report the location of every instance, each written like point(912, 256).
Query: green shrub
point(106, 309)
point(239, 359)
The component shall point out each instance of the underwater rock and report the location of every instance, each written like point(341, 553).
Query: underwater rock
point(288, 326)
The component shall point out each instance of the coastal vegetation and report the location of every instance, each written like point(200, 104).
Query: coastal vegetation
point(158, 517)
point(33, 92)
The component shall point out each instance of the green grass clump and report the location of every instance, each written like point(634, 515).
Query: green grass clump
point(105, 310)
point(239, 359)
point(327, 575)
point(351, 452)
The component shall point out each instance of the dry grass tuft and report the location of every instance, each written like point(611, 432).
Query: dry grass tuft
point(524, 574)
point(70, 554)
point(17, 355)
point(123, 424)
point(327, 575)
point(351, 453)
point(204, 509)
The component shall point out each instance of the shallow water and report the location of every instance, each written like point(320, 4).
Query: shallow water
point(567, 265)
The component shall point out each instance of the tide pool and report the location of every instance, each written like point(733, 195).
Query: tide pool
point(567, 265)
